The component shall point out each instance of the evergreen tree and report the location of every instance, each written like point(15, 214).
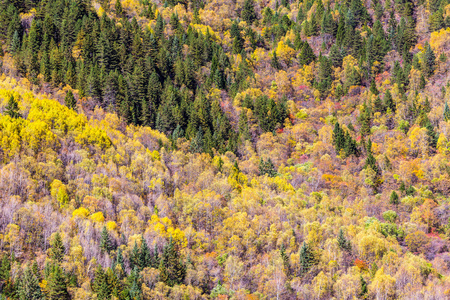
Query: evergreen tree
point(343, 243)
point(285, 258)
point(429, 60)
point(378, 105)
point(338, 138)
point(394, 198)
point(373, 88)
point(106, 245)
point(155, 262)
point(267, 167)
point(340, 34)
point(29, 288)
point(248, 13)
point(324, 75)
point(119, 259)
point(15, 43)
point(119, 9)
point(57, 284)
point(134, 256)
point(336, 56)
point(446, 113)
point(422, 83)
point(306, 54)
point(274, 61)
point(133, 283)
point(172, 269)
point(350, 147)
point(363, 287)
point(389, 102)
point(307, 259)
point(70, 101)
point(144, 255)
point(197, 145)
point(57, 251)
point(370, 159)
point(12, 108)
point(100, 285)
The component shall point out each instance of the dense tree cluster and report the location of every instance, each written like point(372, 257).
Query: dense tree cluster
point(224, 149)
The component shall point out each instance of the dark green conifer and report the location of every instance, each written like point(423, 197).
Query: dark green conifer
point(248, 13)
point(306, 54)
point(57, 284)
point(307, 259)
point(106, 244)
point(12, 108)
point(343, 243)
point(172, 269)
point(394, 198)
point(70, 101)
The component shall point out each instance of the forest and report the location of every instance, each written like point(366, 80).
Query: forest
point(217, 149)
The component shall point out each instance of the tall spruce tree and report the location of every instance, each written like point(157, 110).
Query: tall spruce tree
point(106, 244)
point(58, 249)
point(248, 13)
point(28, 287)
point(307, 259)
point(57, 284)
point(70, 101)
point(172, 269)
point(12, 108)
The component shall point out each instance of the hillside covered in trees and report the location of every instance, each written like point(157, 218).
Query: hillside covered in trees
point(245, 149)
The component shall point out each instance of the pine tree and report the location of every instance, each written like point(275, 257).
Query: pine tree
point(197, 145)
point(119, 259)
point(336, 56)
point(267, 167)
point(58, 249)
point(172, 269)
point(155, 262)
point(340, 34)
point(394, 198)
point(446, 113)
point(343, 243)
point(370, 159)
point(114, 284)
point(338, 138)
point(119, 9)
point(285, 258)
point(307, 259)
point(248, 13)
point(274, 61)
point(144, 255)
point(324, 75)
point(378, 105)
point(15, 43)
point(100, 284)
point(29, 288)
point(422, 83)
point(12, 108)
point(429, 60)
point(389, 102)
point(134, 256)
point(57, 284)
point(133, 290)
point(70, 100)
point(373, 88)
point(364, 289)
point(306, 54)
point(106, 245)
